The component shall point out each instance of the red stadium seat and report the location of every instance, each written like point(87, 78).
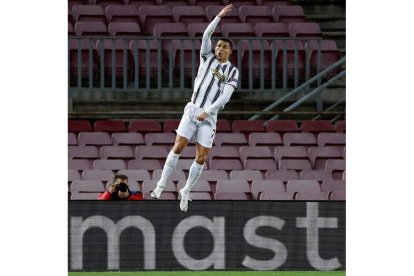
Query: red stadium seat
point(89, 13)
point(237, 30)
point(200, 196)
point(109, 126)
point(247, 126)
point(129, 138)
point(319, 156)
point(226, 152)
point(79, 164)
point(94, 139)
point(296, 152)
point(84, 50)
point(299, 139)
point(71, 30)
point(149, 185)
point(144, 126)
point(231, 17)
point(155, 14)
point(338, 195)
point(171, 125)
point(90, 28)
point(223, 125)
point(336, 167)
point(86, 189)
point(288, 14)
point(260, 152)
point(275, 195)
point(72, 139)
point(200, 186)
point(170, 29)
point(116, 152)
point(282, 126)
point(230, 139)
point(255, 50)
point(303, 186)
point(188, 14)
point(317, 126)
point(122, 13)
point(223, 164)
point(340, 126)
point(240, 3)
point(264, 186)
point(160, 139)
point(101, 175)
point(333, 185)
point(232, 196)
point(319, 175)
point(185, 165)
point(311, 196)
point(255, 14)
point(150, 165)
point(136, 175)
point(331, 139)
point(176, 175)
point(73, 175)
point(113, 164)
point(327, 56)
point(213, 175)
point(271, 3)
point(83, 152)
point(106, 3)
point(283, 175)
point(183, 61)
point(260, 164)
point(305, 29)
point(124, 29)
point(197, 29)
point(265, 139)
point(249, 175)
point(271, 30)
point(297, 165)
point(233, 186)
point(151, 152)
point(292, 50)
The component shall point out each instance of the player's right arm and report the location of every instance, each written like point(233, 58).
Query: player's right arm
point(206, 42)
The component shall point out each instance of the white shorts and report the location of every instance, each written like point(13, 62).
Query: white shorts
point(204, 131)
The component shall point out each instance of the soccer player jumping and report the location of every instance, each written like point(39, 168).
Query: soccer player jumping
point(216, 79)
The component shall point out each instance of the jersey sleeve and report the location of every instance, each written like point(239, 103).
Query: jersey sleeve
point(205, 51)
point(233, 78)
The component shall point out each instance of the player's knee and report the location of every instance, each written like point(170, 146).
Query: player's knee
point(201, 159)
point(178, 148)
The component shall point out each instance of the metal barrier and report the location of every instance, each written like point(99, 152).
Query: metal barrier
point(136, 63)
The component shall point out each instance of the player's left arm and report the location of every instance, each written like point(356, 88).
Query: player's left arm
point(222, 100)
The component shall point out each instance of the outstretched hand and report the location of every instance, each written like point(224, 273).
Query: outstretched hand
point(225, 10)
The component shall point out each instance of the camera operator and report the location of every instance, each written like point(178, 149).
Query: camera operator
point(119, 190)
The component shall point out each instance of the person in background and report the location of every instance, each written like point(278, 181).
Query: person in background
point(119, 190)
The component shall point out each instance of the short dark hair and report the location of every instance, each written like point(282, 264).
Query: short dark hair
point(228, 41)
point(123, 177)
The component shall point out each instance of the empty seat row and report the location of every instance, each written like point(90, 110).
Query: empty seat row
point(149, 15)
point(223, 125)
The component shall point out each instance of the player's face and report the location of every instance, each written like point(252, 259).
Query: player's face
point(223, 51)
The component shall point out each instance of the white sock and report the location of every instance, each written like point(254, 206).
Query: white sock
point(193, 176)
point(169, 167)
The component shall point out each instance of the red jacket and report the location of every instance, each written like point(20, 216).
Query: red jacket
point(132, 196)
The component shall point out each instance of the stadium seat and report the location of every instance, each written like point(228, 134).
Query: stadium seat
point(91, 28)
point(200, 196)
point(182, 58)
point(263, 186)
point(200, 186)
point(122, 13)
point(189, 152)
point(264, 139)
point(231, 17)
point(188, 14)
point(255, 50)
point(171, 125)
point(87, 186)
point(247, 126)
point(71, 30)
point(173, 3)
point(160, 139)
point(185, 164)
point(319, 175)
point(223, 125)
point(311, 196)
point(275, 195)
point(232, 196)
point(292, 49)
point(129, 138)
point(282, 126)
point(233, 186)
point(223, 164)
point(296, 152)
point(288, 14)
point(331, 139)
point(136, 175)
point(72, 140)
point(197, 30)
point(327, 56)
point(151, 152)
point(283, 175)
point(149, 185)
point(260, 164)
point(259, 152)
point(336, 167)
point(305, 29)
point(240, 3)
point(84, 196)
point(226, 152)
point(71, 3)
point(139, 3)
point(176, 175)
point(271, 3)
point(249, 175)
point(150, 165)
point(111, 164)
point(299, 139)
point(333, 185)
point(155, 14)
point(106, 3)
point(271, 30)
point(292, 164)
point(73, 175)
point(319, 156)
point(94, 138)
point(79, 126)
point(109, 126)
point(170, 29)
point(340, 126)
point(144, 126)
point(338, 195)
point(124, 29)
point(212, 176)
point(237, 30)
point(255, 14)
point(116, 152)
point(230, 139)
point(84, 50)
point(303, 186)
point(101, 175)
point(83, 152)
point(88, 13)
point(317, 126)
point(79, 164)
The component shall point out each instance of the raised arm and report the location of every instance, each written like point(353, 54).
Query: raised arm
point(206, 42)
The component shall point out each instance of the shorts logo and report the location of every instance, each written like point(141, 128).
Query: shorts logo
point(214, 132)
point(217, 74)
